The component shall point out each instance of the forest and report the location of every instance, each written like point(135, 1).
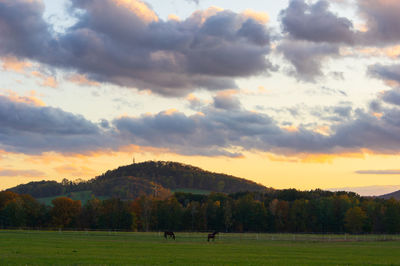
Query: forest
point(289, 210)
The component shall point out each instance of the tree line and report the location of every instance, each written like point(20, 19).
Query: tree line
point(277, 211)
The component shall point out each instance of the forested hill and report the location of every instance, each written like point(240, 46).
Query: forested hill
point(131, 181)
point(173, 175)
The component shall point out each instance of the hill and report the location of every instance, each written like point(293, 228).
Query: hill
point(395, 195)
point(152, 177)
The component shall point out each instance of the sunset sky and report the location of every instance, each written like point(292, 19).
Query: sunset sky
point(290, 94)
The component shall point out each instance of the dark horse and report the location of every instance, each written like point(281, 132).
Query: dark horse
point(169, 234)
point(211, 236)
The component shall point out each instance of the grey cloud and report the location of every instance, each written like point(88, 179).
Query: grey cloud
point(343, 111)
point(227, 102)
point(315, 23)
point(213, 132)
point(382, 18)
point(193, 1)
point(110, 43)
point(307, 57)
point(26, 173)
point(23, 30)
point(385, 72)
point(327, 91)
point(368, 132)
point(219, 131)
point(312, 34)
point(375, 106)
point(34, 130)
point(378, 172)
point(337, 75)
point(392, 97)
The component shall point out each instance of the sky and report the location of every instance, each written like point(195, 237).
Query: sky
point(290, 94)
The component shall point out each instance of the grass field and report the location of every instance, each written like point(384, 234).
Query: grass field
point(38, 247)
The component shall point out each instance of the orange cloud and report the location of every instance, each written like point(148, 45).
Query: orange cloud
point(50, 82)
point(13, 64)
point(392, 52)
point(82, 80)
point(378, 115)
point(173, 17)
point(202, 15)
point(29, 99)
point(77, 171)
point(314, 158)
point(323, 130)
point(47, 81)
point(139, 8)
point(260, 17)
point(171, 111)
point(290, 128)
point(227, 93)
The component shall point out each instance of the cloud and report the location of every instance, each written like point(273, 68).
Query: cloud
point(260, 17)
point(24, 173)
point(125, 43)
point(307, 57)
point(382, 21)
point(226, 100)
point(13, 64)
point(46, 81)
point(391, 96)
point(82, 80)
point(28, 35)
point(388, 73)
point(315, 23)
point(378, 172)
point(312, 34)
point(193, 1)
point(30, 99)
point(31, 129)
point(219, 129)
point(69, 170)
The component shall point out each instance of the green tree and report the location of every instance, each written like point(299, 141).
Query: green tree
point(354, 220)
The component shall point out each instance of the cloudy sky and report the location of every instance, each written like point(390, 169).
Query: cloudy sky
point(296, 93)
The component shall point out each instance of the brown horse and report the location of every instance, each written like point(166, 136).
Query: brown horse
point(211, 236)
point(169, 234)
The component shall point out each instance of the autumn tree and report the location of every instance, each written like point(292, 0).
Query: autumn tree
point(65, 212)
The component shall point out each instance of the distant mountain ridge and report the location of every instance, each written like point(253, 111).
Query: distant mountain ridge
point(151, 177)
point(395, 195)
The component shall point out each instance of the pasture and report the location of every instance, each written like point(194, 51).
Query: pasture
point(64, 247)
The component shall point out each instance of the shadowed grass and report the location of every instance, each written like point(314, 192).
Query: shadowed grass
point(37, 247)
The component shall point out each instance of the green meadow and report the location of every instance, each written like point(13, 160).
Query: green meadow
point(106, 248)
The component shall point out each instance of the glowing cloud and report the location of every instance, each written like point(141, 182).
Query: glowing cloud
point(261, 17)
point(139, 8)
point(29, 99)
point(13, 64)
point(82, 80)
